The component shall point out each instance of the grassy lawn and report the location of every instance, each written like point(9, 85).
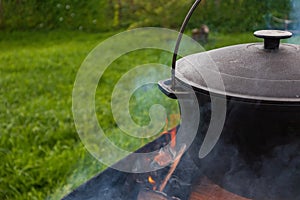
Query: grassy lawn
point(41, 154)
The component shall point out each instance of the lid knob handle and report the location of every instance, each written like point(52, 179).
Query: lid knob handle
point(272, 37)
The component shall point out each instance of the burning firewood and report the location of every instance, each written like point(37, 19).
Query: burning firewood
point(173, 167)
point(167, 154)
point(164, 157)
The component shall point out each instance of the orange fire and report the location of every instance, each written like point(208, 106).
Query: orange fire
point(150, 179)
point(172, 133)
point(173, 137)
point(172, 122)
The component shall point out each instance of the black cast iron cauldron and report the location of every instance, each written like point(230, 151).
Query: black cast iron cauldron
point(258, 153)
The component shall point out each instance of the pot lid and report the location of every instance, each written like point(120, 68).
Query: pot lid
point(258, 71)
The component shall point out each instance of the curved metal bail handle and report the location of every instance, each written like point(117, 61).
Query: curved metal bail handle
point(183, 26)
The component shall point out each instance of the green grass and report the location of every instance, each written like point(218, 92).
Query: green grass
point(41, 154)
point(39, 145)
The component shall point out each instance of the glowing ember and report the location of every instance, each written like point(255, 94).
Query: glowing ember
point(152, 182)
point(150, 179)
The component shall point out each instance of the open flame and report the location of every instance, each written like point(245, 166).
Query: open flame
point(172, 134)
point(173, 120)
point(173, 137)
point(167, 155)
point(151, 180)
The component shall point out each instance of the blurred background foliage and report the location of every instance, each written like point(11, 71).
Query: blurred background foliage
point(105, 15)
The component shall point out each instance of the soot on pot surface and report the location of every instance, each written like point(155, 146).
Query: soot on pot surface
point(258, 153)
